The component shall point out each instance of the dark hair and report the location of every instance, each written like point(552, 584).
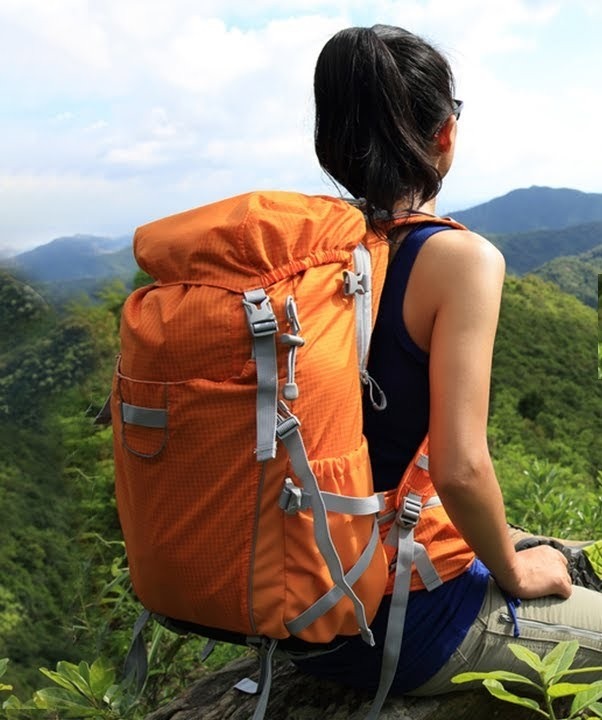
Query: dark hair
point(381, 93)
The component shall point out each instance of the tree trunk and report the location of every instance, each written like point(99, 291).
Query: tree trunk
point(295, 696)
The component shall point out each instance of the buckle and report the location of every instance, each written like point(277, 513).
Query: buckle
point(409, 513)
point(291, 498)
point(286, 426)
point(355, 283)
point(261, 319)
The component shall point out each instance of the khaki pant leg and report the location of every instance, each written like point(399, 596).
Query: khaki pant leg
point(542, 623)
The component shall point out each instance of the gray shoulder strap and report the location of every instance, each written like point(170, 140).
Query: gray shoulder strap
point(263, 328)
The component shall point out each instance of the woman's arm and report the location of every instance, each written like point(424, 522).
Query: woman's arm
point(464, 274)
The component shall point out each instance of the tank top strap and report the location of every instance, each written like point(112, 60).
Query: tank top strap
point(397, 281)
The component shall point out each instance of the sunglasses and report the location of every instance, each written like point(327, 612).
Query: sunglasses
point(457, 106)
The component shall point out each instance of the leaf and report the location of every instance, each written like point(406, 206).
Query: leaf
point(57, 678)
point(559, 659)
point(566, 688)
point(101, 676)
point(84, 670)
point(495, 675)
point(595, 708)
point(3, 664)
point(499, 691)
point(72, 673)
point(60, 699)
point(578, 671)
point(527, 656)
point(5, 687)
point(586, 697)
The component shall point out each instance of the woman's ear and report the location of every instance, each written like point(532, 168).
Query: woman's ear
point(446, 135)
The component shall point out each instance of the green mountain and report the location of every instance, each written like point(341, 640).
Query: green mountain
point(75, 258)
point(526, 251)
point(534, 208)
point(576, 275)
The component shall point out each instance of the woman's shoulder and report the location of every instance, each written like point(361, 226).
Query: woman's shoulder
point(454, 250)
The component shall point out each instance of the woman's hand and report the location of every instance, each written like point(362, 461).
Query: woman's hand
point(537, 572)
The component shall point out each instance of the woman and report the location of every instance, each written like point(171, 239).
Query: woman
point(386, 126)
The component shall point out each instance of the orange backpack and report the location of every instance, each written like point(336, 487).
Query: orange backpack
point(243, 479)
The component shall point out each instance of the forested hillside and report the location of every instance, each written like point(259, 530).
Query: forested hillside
point(546, 400)
point(576, 274)
point(526, 251)
point(64, 591)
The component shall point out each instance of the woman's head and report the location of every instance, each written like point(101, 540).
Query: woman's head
point(382, 94)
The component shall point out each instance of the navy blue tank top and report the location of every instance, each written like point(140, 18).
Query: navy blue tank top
point(401, 370)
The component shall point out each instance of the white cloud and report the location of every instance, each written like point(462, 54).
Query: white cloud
point(143, 109)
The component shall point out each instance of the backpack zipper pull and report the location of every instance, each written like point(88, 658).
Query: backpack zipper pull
point(290, 391)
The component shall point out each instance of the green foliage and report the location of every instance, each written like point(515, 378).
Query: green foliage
point(546, 401)
point(79, 691)
point(3, 664)
point(543, 497)
point(550, 671)
point(142, 278)
point(575, 274)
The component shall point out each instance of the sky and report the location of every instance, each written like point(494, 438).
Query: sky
point(117, 112)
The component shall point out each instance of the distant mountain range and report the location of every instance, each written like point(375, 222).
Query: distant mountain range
point(534, 208)
point(76, 257)
point(554, 233)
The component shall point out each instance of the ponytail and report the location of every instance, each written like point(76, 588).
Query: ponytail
point(380, 95)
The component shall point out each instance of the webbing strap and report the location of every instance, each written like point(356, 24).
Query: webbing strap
point(263, 327)
point(363, 304)
point(408, 552)
point(332, 597)
point(396, 619)
point(292, 499)
point(143, 416)
point(288, 432)
point(349, 505)
point(265, 678)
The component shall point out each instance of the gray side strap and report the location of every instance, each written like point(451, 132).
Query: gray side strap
point(293, 498)
point(423, 461)
point(426, 569)
point(288, 432)
point(265, 679)
point(397, 616)
point(208, 649)
point(135, 667)
point(349, 505)
point(146, 417)
point(263, 327)
point(408, 552)
point(332, 597)
point(363, 304)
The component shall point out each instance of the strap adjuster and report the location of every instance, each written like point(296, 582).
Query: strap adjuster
point(355, 283)
point(260, 318)
point(409, 513)
point(291, 498)
point(286, 426)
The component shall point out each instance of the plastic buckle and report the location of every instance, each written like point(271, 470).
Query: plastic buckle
point(354, 284)
point(409, 513)
point(291, 498)
point(286, 426)
point(261, 320)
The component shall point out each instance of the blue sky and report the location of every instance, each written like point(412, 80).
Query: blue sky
point(115, 112)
